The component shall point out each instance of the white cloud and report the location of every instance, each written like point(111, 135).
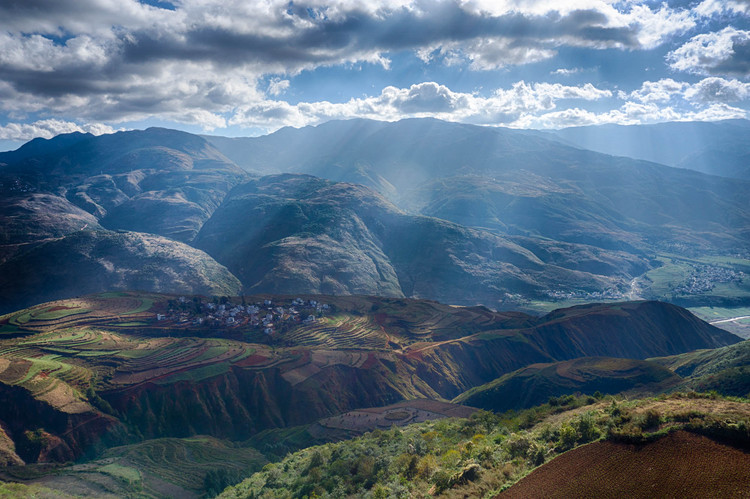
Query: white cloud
point(23, 132)
point(277, 86)
point(120, 60)
point(710, 8)
point(427, 99)
point(658, 91)
point(566, 71)
point(726, 52)
point(718, 90)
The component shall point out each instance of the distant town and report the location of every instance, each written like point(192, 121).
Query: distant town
point(269, 316)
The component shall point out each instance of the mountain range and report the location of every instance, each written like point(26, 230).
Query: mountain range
point(419, 208)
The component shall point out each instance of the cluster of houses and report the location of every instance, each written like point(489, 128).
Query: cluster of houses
point(704, 278)
point(269, 316)
point(607, 294)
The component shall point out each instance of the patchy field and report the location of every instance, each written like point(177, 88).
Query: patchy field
point(681, 464)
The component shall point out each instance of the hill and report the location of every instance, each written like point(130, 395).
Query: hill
point(499, 217)
point(725, 370)
point(511, 181)
point(482, 455)
point(301, 234)
point(538, 383)
point(159, 181)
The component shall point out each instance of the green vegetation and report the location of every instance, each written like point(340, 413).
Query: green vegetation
point(486, 453)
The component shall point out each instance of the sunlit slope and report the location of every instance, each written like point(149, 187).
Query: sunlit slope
point(608, 446)
point(93, 261)
point(513, 181)
point(724, 370)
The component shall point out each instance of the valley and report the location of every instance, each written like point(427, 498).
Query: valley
point(139, 370)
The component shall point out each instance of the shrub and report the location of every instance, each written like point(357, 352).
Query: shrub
point(650, 419)
point(518, 446)
point(568, 437)
point(536, 454)
point(586, 427)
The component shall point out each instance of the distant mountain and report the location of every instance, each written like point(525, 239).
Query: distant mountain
point(157, 180)
point(512, 182)
point(93, 261)
point(467, 215)
point(718, 148)
point(297, 233)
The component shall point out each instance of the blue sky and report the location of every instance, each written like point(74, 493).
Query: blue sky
point(233, 67)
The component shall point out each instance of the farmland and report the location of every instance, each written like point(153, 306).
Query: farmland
point(681, 464)
point(104, 380)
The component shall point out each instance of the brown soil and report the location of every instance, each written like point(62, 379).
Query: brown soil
point(680, 465)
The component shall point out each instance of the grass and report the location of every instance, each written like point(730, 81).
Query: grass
point(129, 475)
point(719, 313)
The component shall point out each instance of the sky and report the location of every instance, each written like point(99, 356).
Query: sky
point(245, 68)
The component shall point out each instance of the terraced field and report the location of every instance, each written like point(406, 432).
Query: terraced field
point(165, 467)
point(342, 331)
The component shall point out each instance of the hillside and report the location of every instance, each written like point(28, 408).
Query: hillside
point(681, 464)
point(301, 234)
point(89, 261)
point(486, 454)
point(511, 181)
point(538, 383)
point(498, 217)
point(725, 370)
point(159, 181)
point(193, 371)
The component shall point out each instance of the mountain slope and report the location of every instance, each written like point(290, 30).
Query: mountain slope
point(513, 182)
point(298, 234)
point(93, 261)
point(718, 148)
point(177, 376)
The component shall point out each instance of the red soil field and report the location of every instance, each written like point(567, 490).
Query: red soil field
point(680, 465)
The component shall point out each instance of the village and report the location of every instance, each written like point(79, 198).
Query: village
point(268, 316)
point(705, 277)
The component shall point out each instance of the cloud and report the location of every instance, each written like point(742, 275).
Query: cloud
point(566, 71)
point(121, 60)
point(718, 90)
point(277, 86)
point(710, 8)
point(630, 113)
point(726, 52)
point(427, 99)
point(658, 91)
point(23, 132)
